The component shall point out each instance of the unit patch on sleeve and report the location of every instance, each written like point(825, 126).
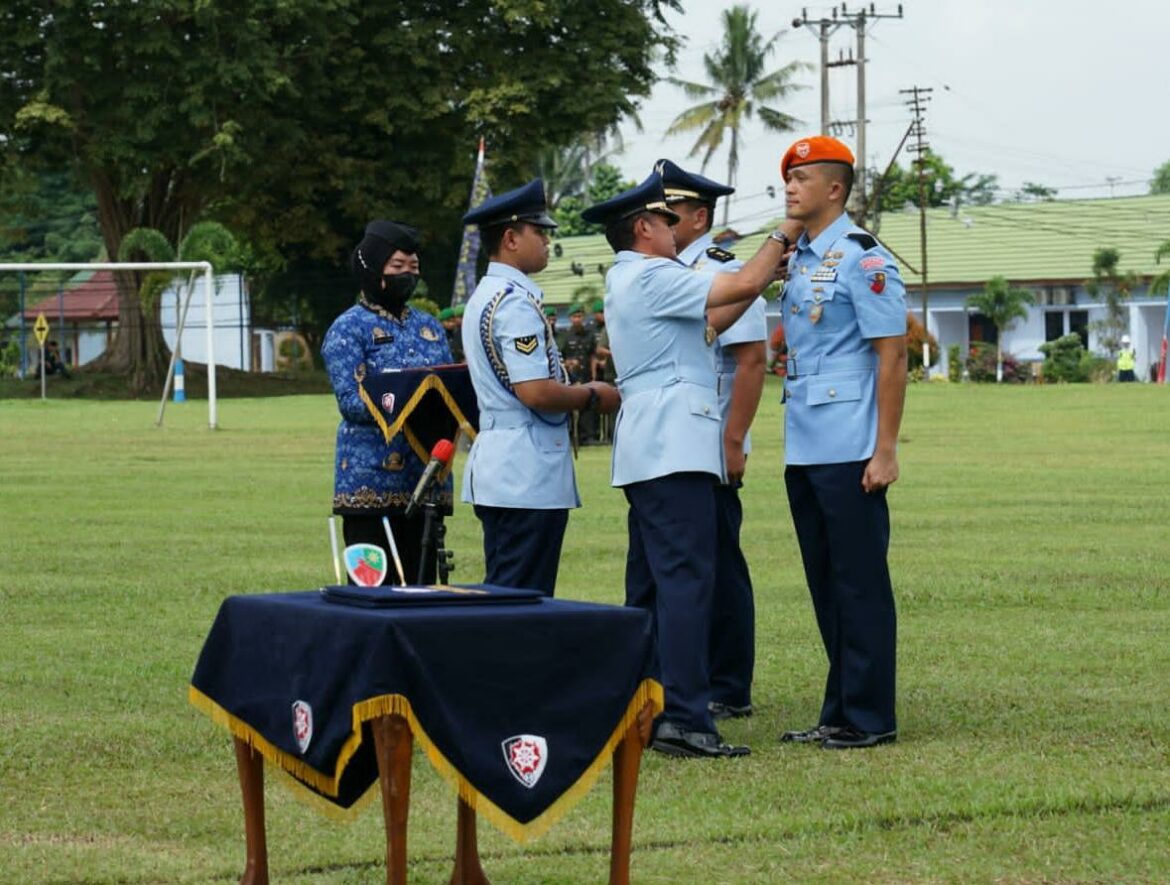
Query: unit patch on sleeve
point(877, 282)
point(720, 255)
point(527, 344)
point(869, 262)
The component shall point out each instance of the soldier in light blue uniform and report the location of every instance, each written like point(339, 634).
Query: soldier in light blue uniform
point(380, 333)
point(663, 318)
point(740, 355)
point(519, 474)
point(845, 322)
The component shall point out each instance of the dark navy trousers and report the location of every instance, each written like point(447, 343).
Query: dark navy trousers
point(522, 548)
point(733, 610)
point(670, 572)
point(844, 535)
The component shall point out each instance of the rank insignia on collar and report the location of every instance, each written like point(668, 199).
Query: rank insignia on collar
point(815, 313)
point(527, 344)
point(709, 335)
point(877, 282)
point(720, 255)
point(429, 334)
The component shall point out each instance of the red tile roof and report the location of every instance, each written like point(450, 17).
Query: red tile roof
point(93, 299)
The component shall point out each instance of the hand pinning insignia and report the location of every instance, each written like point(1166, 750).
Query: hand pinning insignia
point(527, 344)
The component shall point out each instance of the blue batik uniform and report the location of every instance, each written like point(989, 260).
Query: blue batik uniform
point(519, 474)
point(843, 290)
point(668, 458)
point(733, 634)
point(372, 476)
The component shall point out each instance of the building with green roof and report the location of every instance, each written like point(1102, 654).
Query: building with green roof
point(1047, 247)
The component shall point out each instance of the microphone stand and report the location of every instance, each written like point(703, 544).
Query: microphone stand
point(434, 535)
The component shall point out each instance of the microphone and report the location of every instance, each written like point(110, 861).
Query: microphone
point(441, 456)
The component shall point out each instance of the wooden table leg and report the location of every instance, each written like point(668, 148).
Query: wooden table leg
point(250, 766)
point(467, 868)
point(626, 760)
point(392, 743)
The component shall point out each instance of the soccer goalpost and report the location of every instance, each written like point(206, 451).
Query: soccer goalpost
point(209, 282)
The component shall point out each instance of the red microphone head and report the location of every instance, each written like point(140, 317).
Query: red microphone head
point(443, 451)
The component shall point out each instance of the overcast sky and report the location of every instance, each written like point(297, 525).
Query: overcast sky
point(1032, 90)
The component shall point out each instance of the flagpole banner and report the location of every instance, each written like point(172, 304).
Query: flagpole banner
point(1165, 337)
point(518, 705)
point(469, 249)
point(426, 404)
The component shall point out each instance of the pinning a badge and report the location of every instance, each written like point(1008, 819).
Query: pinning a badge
point(709, 335)
point(366, 564)
point(527, 344)
point(302, 715)
point(526, 756)
point(429, 334)
point(877, 282)
point(815, 312)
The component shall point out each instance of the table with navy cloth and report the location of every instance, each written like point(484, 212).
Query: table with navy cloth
point(307, 683)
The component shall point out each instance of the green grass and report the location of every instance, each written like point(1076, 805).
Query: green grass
point(1030, 562)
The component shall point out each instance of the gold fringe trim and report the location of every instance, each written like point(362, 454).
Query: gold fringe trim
point(648, 692)
point(389, 431)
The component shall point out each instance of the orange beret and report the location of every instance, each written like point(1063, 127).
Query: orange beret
point(815, 149)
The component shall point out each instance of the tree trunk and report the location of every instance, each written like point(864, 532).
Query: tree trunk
point(998, 363)
point(732, 165)
point(138, 350)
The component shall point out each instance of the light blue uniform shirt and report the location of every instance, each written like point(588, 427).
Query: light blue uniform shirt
point(521, 458)
point(669, 422)
point(752, 326)
point(841, 291)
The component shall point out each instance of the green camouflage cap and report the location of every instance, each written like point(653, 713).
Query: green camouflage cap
point(576, 309)
point(446, 313)
point(550, 311)
point(599, 305)
point(459, 310)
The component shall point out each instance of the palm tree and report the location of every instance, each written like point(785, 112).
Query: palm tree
point(1003, 304)
point(1159, 282)
point(736, 90)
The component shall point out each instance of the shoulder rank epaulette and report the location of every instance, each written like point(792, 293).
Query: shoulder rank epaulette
point(866, 241)
point(720, 255)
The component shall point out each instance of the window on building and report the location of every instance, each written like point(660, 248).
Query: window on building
point(1053, 325)
point(1058, 323)
point(980, 328)
point(1078, 323)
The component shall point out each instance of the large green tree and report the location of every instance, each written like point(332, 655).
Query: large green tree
point(738, 87)
point(1003, 304)
point(294, 123)
point(944, 186)
point(1160, 183)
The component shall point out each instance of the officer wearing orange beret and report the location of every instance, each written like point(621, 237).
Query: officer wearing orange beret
point(845, 323)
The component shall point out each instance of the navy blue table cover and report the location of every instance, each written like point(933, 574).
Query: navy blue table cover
point(469, 679)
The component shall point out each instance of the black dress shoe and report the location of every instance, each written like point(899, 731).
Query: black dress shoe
point(811, 736)
point(719, 710)
point(852, 739)
point(672, 740)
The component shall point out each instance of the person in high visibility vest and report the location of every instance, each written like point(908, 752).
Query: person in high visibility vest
point(1126, 361)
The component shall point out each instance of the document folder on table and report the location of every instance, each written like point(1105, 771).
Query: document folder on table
point(391, 596)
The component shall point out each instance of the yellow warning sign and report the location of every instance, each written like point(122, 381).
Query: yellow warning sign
point(42, 329)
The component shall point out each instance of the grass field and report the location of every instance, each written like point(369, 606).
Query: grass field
point(1030, 560)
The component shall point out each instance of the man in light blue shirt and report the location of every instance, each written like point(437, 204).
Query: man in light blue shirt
point(663, 318)
point(519, 473)
point(845, 323)
point(740, 354)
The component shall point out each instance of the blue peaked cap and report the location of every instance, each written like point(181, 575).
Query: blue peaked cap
point(645, 197)
point(525, 203)
point(679, 185)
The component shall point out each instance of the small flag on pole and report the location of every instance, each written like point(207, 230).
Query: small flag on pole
point(469, 250)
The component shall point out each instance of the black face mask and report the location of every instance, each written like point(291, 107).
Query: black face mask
point(397, 290)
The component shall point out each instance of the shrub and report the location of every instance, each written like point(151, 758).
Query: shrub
point(954, 367)
point(426, 305)
point(915, 335)
point(1065, 360)
point(981, 365)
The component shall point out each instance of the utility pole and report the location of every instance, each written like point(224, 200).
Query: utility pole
point(823, 29)
point(858, 20)
point(917, 103)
